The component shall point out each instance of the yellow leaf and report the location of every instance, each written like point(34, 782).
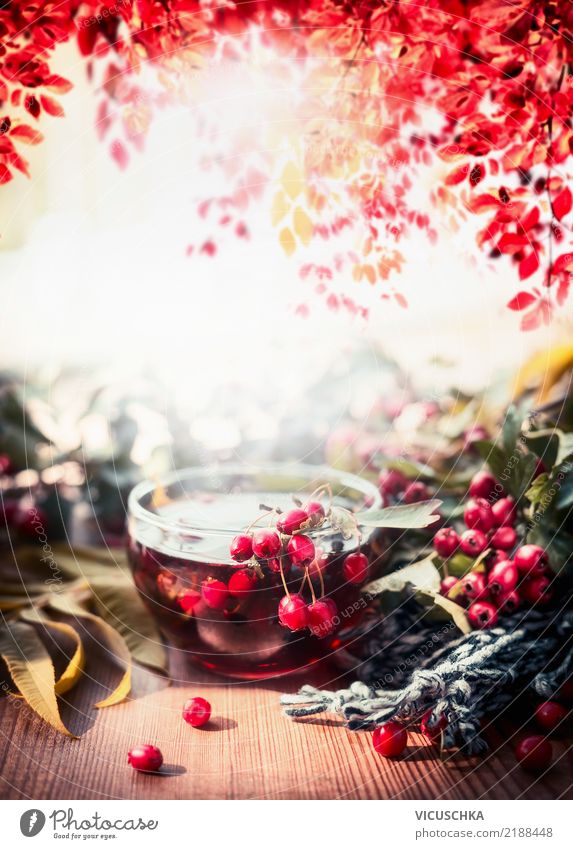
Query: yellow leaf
point(291, 180)
point(287, 241)
point(303, 226)
point(73, 671)
point(279, 208)
point(369, 273)
point(32, 671)
point(543, 370)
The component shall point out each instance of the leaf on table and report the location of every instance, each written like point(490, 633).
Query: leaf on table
point(418, 515)
point(543, 370)
point(457, 613)
point(32, 671)
point(422, 575)
point(73, 671)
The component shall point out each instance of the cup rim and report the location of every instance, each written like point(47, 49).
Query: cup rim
point(137, 511)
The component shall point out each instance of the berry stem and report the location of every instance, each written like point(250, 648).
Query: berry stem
point(283, 576)
point(307, 576)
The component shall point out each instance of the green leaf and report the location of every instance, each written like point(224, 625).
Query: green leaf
point(558, 544)
point(544, 444)
point(418, 515)
point(565, 447)
point(459, 564)
point(457, 613)
point(32, 671)
point(565, 496)
point(535, 492)
point(511, 429)
point(493, 455)
point(410, 468)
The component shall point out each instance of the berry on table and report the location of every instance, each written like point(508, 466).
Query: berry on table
point(242, 583)
point(390, 739)
point(197, 711)
point(509, 602)
point(473, 542)
point(291, 521)
point(293, 612)
point(482, 614)
point(446, 542)
point(266, 543)
point(504, 511)
point(549, 715)
point(531, 559)
point(300, 550)
point(414, 492)
point(392, 482)
point(215, 593)
point(483, 485)
point(478, 515)
point(448, 584)
point(242, 548)
point(322, 617)
point(504, 537)
point(473, 585)
point(355, 568)
point(432, 731)
point(145, 758)
point(537, 591)
point(534, 752)
point(503, 578)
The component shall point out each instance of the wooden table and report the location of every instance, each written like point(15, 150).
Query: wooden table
point(248, 751)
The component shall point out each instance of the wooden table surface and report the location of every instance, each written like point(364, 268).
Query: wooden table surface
point(249, 749)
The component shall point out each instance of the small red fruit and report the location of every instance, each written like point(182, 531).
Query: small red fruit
point(390, 739)
point(504, 537)
point(145, 758)
point(322, 617)
point(242, 548)
point(473, 542)
point(473, 585)
point(537, 591)
point(496, 556)
point(446, 542)
point(215, 594)
point(6, 465)
point(355, 568)
point(293, 612)
point(392, 482)
point(31, 521)
point(531, 560)
point(509, 602)
point(504, 511)
point(482, 614)
point(266, 543)
point(448, 584)
point(188, 600)
point(549, 715)
point(478, 515)
point(197, 712)
point(242, 583)
point(414, 492)
point(502, 579)
point(300, 550)
point(483, 485)
point(433, 731)
point(291, 521)
point(534, 752)
point(315, 512)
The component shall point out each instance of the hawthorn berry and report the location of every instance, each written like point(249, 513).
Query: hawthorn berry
point(537, 591)
point(508, 602)
point(355, 568)
point(145, 758)
point(504, 537)
point(392, 482)
point(473, 585)
point(483, 485)
point(6, 465)
point(322, 614)
point(448, 584)
point(503, 578)
point(549, 715)
point(446, 542)
point(478, 515)
point(432, 731)
point(504, 511)
point(242, 583)
point(534, 752)
point(293, 612)
point(315, 512)
point(197, 712)
point(300, 550)
point(473, 542)
point(215, 593)
point(414, 492)
point(266, 543)
point(390, 739)
point(482, 614)
point(242, 548)
point(496, 556)
point(188, 600)
point(531, 560)
point(292, 521)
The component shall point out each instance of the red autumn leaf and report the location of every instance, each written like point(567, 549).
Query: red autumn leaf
point(57, 84)
point(528, 265)
point(5, 175)
point(563, 288)
point(562, 263)
point(562, 203)
point(511, 243)
point(521, 301)
point(540, 314)
point(483, 203)
point(51, 106)
point(26, 134)
point(119, 154)
point(457, 175)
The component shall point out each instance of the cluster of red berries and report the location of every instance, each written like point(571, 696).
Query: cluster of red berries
point(396, 488)
point(148, 758)
point(508, 575)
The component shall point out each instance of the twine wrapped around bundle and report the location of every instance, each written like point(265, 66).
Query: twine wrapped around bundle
point(473, 675)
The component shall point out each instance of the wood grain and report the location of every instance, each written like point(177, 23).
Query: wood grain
point(248, 751)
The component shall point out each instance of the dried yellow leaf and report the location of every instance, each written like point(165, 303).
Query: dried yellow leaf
point(287, 241)
point(303, 226)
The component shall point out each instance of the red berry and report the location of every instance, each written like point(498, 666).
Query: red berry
point(414, 492)
point(242, 583)
point(496, 556)
point(537, 591)
point(390, 739)
point(392, 482)
point(531, 560)
point(266, 543)
point(474, 434)
point(215, 593)
point(504, 511)
point(448, 584)
point(473, 585)
point(356, 567)
point(482, 614)
point(300, 550)
point(478, 515)
point(197, 712)
point(188, 600)
point(6, 465)
point(242, 548)
point(509, 602)
point(10, 508)
point(502, 579)
point(483, 485)
point(145, 758)
point(31, 521)
point(534, 752)
point(540, 468)
point(433, 731)
point(322, 617)
point(293, 612)
point(550, 714)
point(504, 537)
point(473, 542)
point(290, 522)
point(446, 542)
point(315, 512)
